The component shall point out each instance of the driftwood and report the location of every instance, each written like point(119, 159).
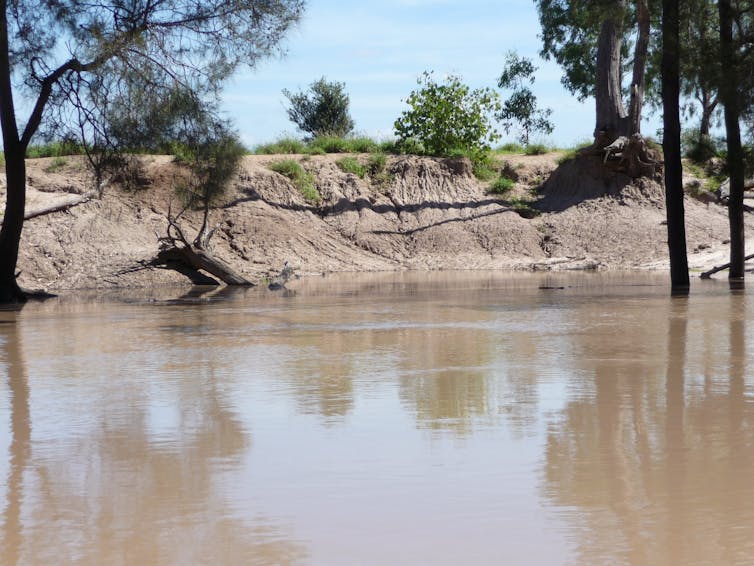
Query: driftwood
point(708, 274)
point(196, 255)
point(60, 205)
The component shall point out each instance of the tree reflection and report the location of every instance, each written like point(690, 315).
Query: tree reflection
point(122, 490)
point(653, 475)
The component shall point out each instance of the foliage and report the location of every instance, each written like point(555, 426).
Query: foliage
point(520, 108)
point(351, 165)
point(376, 164)
point(212, 157)
point(323, 111)
point(501, 186)
point(700, 148)
point(443, 117)
point(330, 144)
point(301, 179)
point(570, 31)
point(54, 149)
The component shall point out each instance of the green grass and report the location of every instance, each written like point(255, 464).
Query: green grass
point(352, 165)
point(54, 149)
point(524, 208)
point(301, 179)
point(510, 148)
point(282, 146)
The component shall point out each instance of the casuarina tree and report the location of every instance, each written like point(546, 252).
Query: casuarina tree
point(59, 57)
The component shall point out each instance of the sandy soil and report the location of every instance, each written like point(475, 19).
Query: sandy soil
point(431, 214)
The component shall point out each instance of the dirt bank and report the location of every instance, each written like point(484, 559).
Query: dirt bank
point(426, 214)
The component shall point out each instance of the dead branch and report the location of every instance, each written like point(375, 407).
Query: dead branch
point(60, 205)
point(711, 272)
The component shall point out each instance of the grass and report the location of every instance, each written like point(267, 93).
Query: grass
point(536, 149)
point(301, 179)
point(56, 165)
point(326, 144)
point(54, 149)
point(524, 208)
point(352, 165)
point(510, 148)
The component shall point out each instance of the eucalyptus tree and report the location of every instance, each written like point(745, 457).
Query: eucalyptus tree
point(69, 58)
point(591, 41)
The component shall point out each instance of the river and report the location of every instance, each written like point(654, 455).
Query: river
point(442, 418)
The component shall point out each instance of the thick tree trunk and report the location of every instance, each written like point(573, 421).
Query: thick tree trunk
point(15, 171)
point(611, 120)
point(640, 64)
point(679, 270)
point(729, 98)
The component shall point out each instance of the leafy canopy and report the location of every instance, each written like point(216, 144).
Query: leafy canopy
point(449, 117)
point(521, 108)
point(321, 112)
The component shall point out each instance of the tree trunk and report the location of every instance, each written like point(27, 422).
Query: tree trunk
point(679, 270)
point(640, 64)
point(611, 115)
point(708, 109)
point(730, 100)
point(15, 171)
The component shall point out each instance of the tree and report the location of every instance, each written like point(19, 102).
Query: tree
point(590, 41)
point(521, 107)
point(321, 112)
point(679, 271)
point(730, 66)
point(65, 54)
point(446, 117)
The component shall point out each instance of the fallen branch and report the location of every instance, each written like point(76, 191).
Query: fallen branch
point(176, 247)
point(60, 205)
point(708, 274)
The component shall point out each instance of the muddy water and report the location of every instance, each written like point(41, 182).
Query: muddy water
point(390, 419)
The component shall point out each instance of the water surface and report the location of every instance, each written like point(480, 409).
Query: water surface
point(381, 419)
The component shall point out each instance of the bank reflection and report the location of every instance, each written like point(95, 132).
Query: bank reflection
point(652, 465)
point(145, 476)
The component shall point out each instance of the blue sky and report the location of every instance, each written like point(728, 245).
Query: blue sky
point(378, 49)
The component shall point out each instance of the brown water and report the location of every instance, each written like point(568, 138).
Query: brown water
point(389, 419)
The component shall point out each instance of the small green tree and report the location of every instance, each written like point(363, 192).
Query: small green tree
point(323, 111)
point(521, 107)
point(447, 117)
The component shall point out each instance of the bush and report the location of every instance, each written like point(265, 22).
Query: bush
point(302, 180)
point(502, 186)
point(536, 149)
point(363, 145)
point(447, 117)
point(351, 165)
point(699, 148)
point(376, 164)
point(321, 112)
point(510, 148)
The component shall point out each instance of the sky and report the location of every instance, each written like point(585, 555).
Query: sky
point(379, 49)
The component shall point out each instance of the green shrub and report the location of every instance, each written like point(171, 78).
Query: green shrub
point(501, 186)
point(536, 149)
point(351, 165)
point(323, 111)
point(301, 179)
point(446, 117)
point(55, 149)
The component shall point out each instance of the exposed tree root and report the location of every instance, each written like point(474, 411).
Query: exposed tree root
point(628, 155)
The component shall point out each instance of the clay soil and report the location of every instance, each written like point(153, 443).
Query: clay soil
point(425, 214)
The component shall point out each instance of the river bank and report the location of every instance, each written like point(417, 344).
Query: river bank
point(422, 214)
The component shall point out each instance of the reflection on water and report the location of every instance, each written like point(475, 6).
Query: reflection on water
point(387, 419)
